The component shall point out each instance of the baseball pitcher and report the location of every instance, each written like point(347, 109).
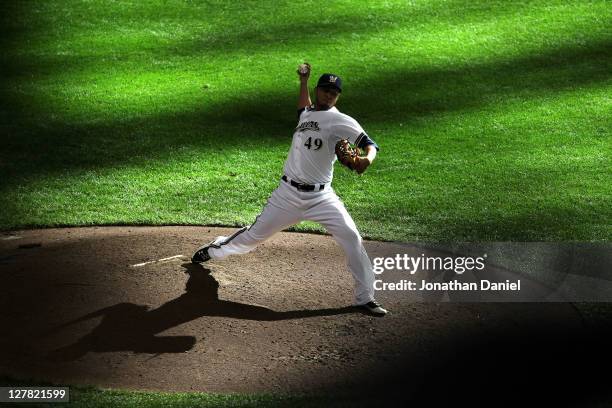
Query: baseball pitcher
point(323, 134)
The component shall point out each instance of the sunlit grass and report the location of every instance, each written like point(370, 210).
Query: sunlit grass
point(492, 117)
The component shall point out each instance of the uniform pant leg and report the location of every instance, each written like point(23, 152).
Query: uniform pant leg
point(278, 214)
point(331, 213)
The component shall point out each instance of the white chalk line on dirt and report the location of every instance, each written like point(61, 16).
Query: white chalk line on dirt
point(138, 265)
point(11, 237)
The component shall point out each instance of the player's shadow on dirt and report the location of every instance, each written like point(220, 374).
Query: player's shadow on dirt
point(131, 327)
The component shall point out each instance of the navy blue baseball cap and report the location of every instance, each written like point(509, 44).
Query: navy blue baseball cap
point(331, 81)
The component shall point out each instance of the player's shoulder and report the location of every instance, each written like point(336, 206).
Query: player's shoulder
point(310, 108)
point(305, 111)
point(341, 117)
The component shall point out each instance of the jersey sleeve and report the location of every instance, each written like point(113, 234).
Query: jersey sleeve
point(349, 129)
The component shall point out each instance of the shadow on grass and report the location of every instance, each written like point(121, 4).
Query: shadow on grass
point(131, 327)
point(528, 225)
point(36, 143)
point(227, 29)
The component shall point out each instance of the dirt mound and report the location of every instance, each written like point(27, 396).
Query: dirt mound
point(118, 307)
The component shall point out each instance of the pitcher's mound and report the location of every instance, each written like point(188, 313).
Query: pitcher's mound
point(122, 307)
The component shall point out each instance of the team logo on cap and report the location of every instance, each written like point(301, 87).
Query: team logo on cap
point(332, 79)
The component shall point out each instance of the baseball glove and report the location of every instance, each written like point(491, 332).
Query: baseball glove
point(349, 156)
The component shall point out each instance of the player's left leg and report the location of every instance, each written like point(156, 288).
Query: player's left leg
point(279, 213)
point(331, 213)
point(271, 220)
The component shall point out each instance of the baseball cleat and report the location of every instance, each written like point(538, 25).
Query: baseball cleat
point(201, 255)
point(374, 308)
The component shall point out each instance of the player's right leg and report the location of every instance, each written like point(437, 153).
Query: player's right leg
point(331, 213)
point(278, 214)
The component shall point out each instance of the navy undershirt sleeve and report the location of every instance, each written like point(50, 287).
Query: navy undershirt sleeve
point(299, 112)
point(364, 140)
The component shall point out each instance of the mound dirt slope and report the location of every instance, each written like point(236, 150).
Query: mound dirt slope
point(118, 307)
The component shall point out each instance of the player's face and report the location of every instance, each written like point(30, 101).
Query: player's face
point(327, 97)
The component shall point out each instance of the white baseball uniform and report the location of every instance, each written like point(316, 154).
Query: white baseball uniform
point(309, 166)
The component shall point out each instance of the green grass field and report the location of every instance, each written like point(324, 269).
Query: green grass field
point(493, 117)
point(90, 397)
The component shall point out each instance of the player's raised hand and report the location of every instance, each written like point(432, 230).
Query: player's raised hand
point(304, 70)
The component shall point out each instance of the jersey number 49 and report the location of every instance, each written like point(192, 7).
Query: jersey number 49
point(317, 143)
